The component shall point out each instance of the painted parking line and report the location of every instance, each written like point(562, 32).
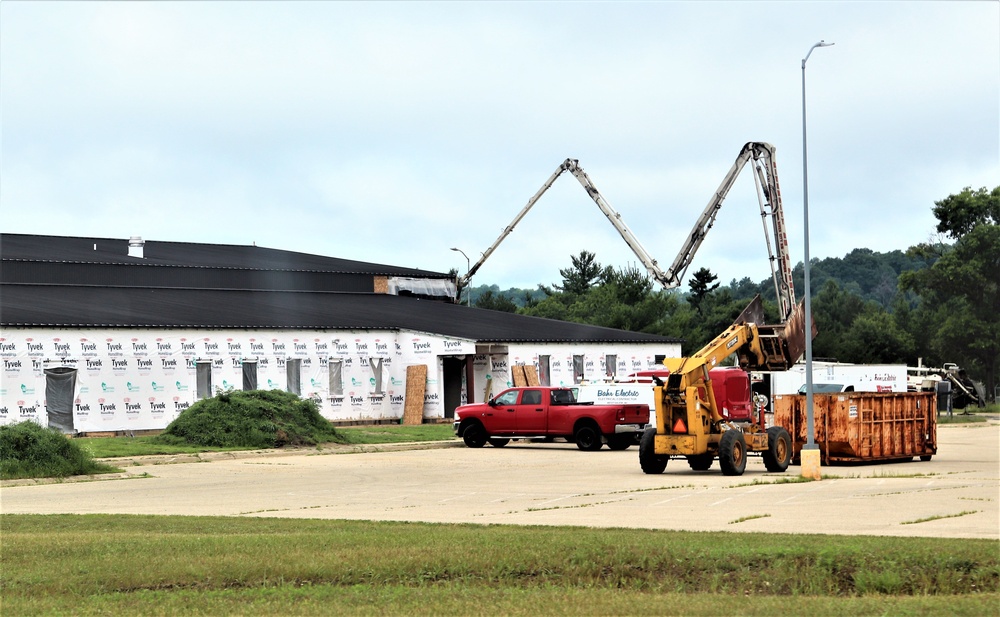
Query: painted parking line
point(741, 495)
point(557, 499)
point(819, 486)
point(681, 497)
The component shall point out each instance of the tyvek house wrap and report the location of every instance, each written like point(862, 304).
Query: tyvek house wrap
point(142, 379)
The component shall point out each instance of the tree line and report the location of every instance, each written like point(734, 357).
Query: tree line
point(938, 301)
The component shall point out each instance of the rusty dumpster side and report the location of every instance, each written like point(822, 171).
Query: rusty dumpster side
point(857, 427)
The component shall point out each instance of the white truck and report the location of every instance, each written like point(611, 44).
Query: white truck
point(832, 377)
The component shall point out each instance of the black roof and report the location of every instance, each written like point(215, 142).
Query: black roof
point(63, 249)
point(130, 307)
point(57, 281)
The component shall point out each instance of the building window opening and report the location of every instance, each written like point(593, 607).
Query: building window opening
point(293, 374)
point(544, 371)
point(611, 366)
point(203, 375)
point(336, 368)
point(376, 381)
point(249, 374)
point(577, 369)
point(60, 390)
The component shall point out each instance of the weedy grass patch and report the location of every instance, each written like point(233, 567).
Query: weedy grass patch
point(28, 450)
point(250, 419)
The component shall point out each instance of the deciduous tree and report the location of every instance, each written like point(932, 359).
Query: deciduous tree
point(963, 286)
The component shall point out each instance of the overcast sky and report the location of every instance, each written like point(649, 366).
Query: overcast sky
point(390, 132)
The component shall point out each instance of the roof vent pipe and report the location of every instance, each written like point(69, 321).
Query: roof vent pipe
point(135, 244)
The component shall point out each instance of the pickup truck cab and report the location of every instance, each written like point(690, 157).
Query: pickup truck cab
point(547, 413)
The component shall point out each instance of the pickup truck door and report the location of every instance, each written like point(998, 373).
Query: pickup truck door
point(504, 409)
point(531, 417)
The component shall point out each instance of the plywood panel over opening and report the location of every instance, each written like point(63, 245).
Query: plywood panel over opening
point(416, 386)
point(517, 373)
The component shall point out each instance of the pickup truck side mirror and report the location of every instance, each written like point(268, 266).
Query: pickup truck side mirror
point(492, 402)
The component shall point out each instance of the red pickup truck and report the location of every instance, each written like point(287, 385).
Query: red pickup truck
point(549, 412)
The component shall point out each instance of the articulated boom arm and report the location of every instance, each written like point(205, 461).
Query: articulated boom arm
point(768, 195)
point(573, 166)
point(769, 198)
point(464, 280)
point(647, 260)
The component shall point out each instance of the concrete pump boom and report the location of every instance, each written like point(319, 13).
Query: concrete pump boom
point(768, 196)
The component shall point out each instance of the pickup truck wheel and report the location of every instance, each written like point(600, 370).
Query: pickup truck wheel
point(779, 449)
point(498, 442)
point(733, 453)
point(474, 436)
point(621, 442)
point(587, 438)
point(700, 462)
point(649, 460)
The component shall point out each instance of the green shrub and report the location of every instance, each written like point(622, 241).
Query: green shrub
point(250, 419)
point(28, 450)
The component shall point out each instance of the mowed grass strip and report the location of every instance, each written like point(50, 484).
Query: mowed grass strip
point(114, 447)
point(132, 565)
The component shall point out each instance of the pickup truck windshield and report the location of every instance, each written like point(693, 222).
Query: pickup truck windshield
point(507, 398)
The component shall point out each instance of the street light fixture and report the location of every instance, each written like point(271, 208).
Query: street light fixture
point(810, 454)
point(467, 267)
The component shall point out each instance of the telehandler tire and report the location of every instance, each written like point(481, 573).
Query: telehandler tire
point(779, 449)
point(733, 453)
point(700, 462)
point(649, 460)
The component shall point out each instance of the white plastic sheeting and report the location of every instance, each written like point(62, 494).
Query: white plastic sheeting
point(424, 287)
point(141, 379)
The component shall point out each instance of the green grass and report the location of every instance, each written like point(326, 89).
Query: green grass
point(395, 433)
point(138, 565)
point(960, 418)
point(970, 415)
point(110, 447)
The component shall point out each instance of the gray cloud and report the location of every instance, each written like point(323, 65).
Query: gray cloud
point(389, 132)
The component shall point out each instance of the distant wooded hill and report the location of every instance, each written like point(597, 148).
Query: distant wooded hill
point(867, 274)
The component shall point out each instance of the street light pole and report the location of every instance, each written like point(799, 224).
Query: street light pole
point(810, 454)
point(467, 268)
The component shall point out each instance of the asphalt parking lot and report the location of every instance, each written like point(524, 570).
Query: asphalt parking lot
point(956, 494)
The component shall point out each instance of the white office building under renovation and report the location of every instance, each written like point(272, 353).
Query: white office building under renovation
point(103, 335)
